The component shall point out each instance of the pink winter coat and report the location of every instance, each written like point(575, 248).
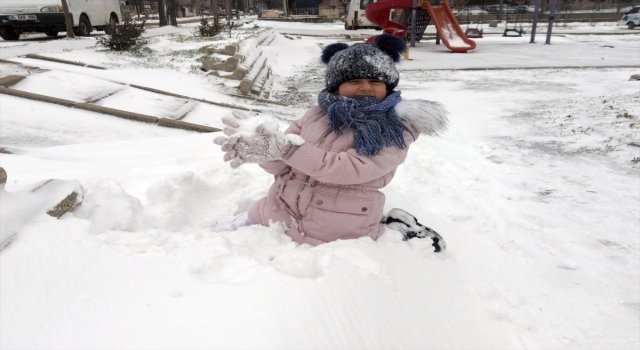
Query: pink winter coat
point(324, 190)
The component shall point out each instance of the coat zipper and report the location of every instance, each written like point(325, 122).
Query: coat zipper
point(306, 180)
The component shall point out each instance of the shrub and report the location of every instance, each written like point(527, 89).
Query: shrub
point(209, 28)
point(123, 37)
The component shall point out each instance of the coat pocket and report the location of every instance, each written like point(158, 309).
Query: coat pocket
point(340, 203)
point(330, 217)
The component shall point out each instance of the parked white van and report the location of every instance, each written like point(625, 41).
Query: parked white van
point(632, 18)
point(46, 16)
point(356, 18)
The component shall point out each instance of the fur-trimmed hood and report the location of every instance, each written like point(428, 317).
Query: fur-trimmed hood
point(427, 117)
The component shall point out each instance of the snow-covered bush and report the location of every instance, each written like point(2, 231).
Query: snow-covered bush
point(123, 37)
point(209, 28)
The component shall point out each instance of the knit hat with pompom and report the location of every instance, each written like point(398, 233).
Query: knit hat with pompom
point(375, 60)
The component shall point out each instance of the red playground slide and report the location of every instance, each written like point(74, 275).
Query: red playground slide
point(378, 13)
point(446, 23)
point(448, 28)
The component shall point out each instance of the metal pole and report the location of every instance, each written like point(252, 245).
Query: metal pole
point(414, 15)
point(534, 25)
point(552, 12)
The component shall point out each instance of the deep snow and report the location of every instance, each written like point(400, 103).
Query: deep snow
point(534, 187)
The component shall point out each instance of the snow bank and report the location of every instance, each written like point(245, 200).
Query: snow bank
point(543, 250)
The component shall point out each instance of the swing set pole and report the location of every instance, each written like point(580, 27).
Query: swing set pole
point(534, 25)
point(552, 13)
point(414, 15)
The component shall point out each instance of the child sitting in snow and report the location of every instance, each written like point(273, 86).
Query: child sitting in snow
point(330, 165)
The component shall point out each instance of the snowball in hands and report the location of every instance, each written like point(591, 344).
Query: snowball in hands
point(254, 139)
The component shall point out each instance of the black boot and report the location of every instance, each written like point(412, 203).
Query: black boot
point(409, 226)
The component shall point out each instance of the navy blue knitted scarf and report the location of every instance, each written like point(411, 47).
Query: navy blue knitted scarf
point(375, 121)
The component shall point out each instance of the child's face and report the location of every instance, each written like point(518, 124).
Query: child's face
point(363, 87)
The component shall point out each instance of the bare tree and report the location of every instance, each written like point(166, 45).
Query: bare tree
point(135, 4)
point(227, 10)
point(624, 3)
point(214, 8)
point(289, 6)
point(200, 6)
point(270, 4)
point(167, 13)
point(345, 5)
point(67, 19)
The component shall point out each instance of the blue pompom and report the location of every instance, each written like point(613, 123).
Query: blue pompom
point(391, 45)
point(331, 50)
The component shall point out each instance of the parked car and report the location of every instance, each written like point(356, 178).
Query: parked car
point(146, 17)
point(356, 17)
point(223, 13)
point(522, 9)
point(493, 8)
point(506, 9)
point(46, 16)
point(626, 9)
point(632, 10)
point(632, 18)
point(472, 11)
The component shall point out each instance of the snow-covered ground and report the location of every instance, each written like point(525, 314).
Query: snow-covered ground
point(535, 188)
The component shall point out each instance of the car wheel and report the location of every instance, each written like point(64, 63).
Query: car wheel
point(84, 27)
point(113, 21)
point(631, 25)
point(346, 27)
point(9, 34)
point(52, 33)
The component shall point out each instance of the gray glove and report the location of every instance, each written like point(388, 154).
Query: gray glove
point(254, 139)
